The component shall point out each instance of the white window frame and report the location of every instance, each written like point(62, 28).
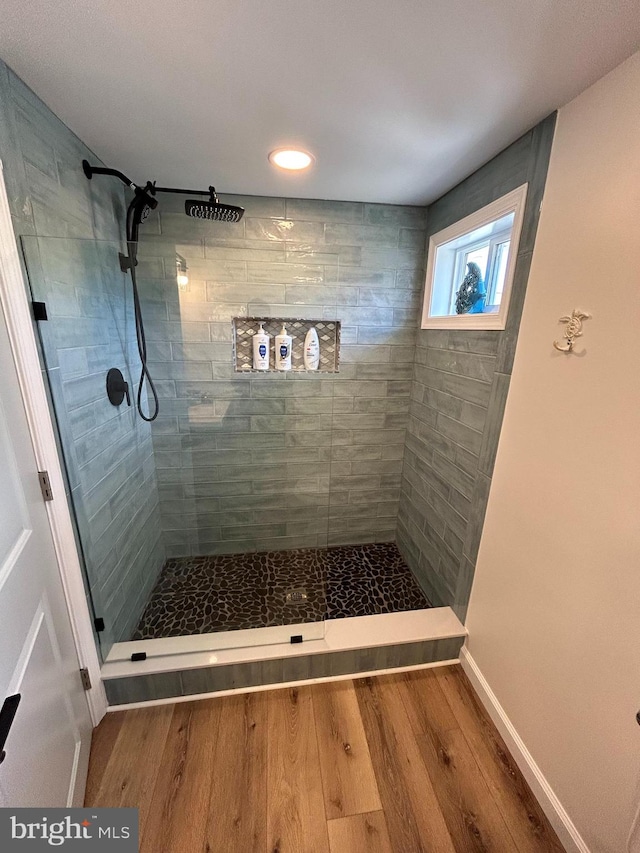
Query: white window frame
point(512, 202)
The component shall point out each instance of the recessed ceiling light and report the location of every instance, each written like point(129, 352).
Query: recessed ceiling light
point(290, 158)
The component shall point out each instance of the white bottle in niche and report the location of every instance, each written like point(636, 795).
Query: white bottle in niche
point(283, 350)
point(261, 349)
point(311, 350)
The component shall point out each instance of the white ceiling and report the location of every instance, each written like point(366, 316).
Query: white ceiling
point(397, 100)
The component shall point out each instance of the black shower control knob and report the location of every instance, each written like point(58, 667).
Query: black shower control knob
point(117, 387)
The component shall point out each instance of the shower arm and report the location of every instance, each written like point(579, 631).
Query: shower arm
point(149, 190)
point(90, 171)
point(211, 192)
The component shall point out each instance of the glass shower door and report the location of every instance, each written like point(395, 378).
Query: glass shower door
point(214, 517)
point(107, 451)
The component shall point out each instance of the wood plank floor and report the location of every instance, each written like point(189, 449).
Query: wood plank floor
point(405, 763)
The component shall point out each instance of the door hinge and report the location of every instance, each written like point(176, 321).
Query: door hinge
point(85, 678)
point(45, 485)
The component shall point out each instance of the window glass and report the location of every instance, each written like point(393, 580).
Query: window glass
point(471, 264)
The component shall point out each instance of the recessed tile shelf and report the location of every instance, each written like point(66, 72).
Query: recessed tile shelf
point(244, 328)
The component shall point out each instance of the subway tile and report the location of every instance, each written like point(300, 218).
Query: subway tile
point(406, 317)
point(378, 235)
point(401, 354)
point(283, 273)
point(207, 392)
point(379, 297)
point(467, 461)
point(198, 351)
point(368, 353)
point(185, 370)
point(257, 206)
point(453, 475)
point(477, 341)
point(291, 422)
point(399, 215)
point(493, 425)
point(459, 433)
point(379, 466)
point(390, 335)
point(325, 211)
point(306, 295)
point(362, 316)
point(399, 406)
point(411, 238)
point(231, 294)
point(279, 230)
point(177, 226)
point(394, 372)
point(464, 364)
point(371, 278)
point(464, 583)
point(508, 340)
point(177, 331)
point(143, 688)
point(239, 249)
point(479, 499)
point(410, 279)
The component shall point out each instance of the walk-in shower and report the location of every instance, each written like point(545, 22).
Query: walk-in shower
point(245, 506)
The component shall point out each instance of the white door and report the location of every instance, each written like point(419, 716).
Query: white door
point(47, 747)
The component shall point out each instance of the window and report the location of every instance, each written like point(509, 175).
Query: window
point(470, 267)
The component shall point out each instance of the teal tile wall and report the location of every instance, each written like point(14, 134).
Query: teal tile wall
point(265, 462)
point(458, 394)
point(108, 452)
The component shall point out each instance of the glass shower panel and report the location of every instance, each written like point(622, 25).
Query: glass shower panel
point(214, 517)
point(107, 451)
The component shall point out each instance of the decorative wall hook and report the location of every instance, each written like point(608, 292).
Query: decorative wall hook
point(573, 330)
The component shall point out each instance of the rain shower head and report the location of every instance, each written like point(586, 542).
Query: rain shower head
point(213, 210)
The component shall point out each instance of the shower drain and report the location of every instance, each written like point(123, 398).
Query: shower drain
point(296, 596)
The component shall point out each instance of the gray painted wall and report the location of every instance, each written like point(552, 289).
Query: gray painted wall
point(108, 452)
point(264, 462)
point(460, 385)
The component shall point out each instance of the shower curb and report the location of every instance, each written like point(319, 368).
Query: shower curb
point(182, 683)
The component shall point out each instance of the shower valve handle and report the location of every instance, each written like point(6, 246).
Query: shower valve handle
point(117, 387)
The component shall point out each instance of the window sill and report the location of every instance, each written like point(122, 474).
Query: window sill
point(465, 321)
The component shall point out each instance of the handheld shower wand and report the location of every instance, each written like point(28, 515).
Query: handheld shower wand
point(141, 205)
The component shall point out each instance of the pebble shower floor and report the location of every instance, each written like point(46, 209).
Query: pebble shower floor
point(200, 595)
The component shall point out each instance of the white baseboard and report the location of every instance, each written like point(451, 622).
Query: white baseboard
point(542, 790)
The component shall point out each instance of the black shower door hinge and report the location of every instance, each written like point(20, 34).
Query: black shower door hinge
point(125, 262)
point(98, 623)
point(39, 310)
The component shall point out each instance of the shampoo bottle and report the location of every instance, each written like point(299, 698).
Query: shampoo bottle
point(311, 350)
point(261, 349)
point(283, 350)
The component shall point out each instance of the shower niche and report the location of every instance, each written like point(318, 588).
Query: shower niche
point(244, 328)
